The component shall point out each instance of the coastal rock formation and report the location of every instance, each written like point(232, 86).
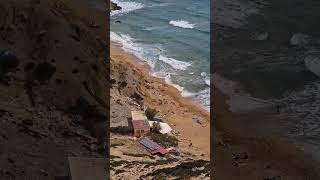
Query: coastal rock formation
point(114, 6)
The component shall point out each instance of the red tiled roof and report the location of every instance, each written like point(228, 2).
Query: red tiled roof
point(140, 124)
point(162, 151)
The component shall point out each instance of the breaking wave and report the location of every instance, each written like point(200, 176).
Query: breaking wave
point(176, 64)
point(127, 6)
point(239, 101)
point(182, 24)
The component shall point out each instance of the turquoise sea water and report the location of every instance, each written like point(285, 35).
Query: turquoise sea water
point(173, 37)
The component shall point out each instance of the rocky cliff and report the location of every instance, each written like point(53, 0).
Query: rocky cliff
point(54, 85)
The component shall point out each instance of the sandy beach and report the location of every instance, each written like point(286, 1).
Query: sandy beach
point(179, 112)
point(268, 156)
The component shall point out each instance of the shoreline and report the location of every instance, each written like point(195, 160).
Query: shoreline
point(198, 96)
point(189, 120)
point(236, 130)
point(147, 70)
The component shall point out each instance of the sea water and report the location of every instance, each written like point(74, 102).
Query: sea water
point(172, 37)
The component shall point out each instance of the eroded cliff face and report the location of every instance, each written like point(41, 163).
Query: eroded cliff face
point(57, 92)
point(62, 55)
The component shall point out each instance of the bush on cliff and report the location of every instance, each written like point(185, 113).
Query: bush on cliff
point(165, 140)
point(150, 113)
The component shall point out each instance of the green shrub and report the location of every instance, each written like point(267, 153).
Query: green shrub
point(150, 113)
point(165, 140)
point(156, 126)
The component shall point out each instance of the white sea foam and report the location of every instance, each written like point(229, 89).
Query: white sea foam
point(207, 81)
point(313, 64)
point(204, 98)
point(176, 64)
point(159, 4)
point(203, 74)
point(239, 101)
point(127, 6)
point(304, 104)
point(169, 81)
point(129, 45)
point(303, 109)
point(204, 94)
point(142, 51)
point(182, 24)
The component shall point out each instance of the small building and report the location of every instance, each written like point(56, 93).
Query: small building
point(140, 128)
point(140, 123)
point(152, 146)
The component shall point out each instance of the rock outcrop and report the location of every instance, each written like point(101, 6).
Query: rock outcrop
point(114, 6)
